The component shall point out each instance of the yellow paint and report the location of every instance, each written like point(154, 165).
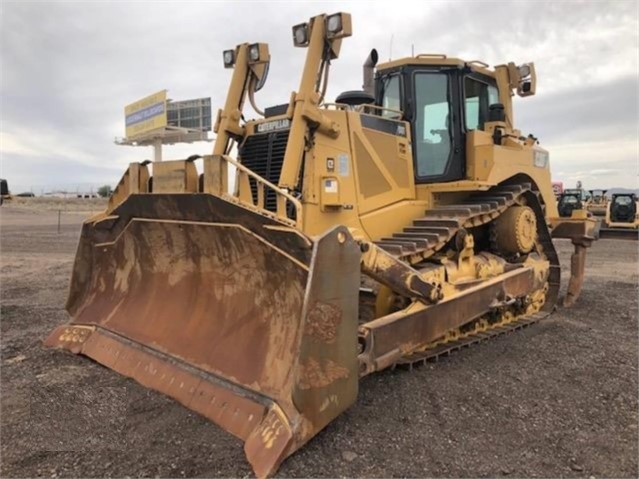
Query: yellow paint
point(157, 120)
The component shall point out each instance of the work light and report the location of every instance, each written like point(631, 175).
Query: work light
point(229, 58)
point(300, 35)
point(254, 52)
point(338, 26)
point(524, 70)
point(334, 23)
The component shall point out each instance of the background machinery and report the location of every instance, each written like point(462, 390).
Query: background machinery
point(597, 202)
point(568, 202)
point(5, 194)
point(622, 217)
point(572, 199)
point(399, 223)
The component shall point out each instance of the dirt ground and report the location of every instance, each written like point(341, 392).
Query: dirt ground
point(558, 399)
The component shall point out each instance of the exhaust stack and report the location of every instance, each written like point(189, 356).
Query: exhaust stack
point(369, 72)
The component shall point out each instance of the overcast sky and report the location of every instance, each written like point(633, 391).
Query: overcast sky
point(68, 68)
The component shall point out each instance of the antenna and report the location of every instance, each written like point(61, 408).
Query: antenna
point(390, 49)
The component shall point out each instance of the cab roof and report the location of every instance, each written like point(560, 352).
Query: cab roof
point(436, 59)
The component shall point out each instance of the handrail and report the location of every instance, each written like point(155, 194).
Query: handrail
point(432, 55)
point(282, 197)
point(363, 107)
point(478, 63)
point(369, 106)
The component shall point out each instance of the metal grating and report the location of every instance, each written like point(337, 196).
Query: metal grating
point(264, 155)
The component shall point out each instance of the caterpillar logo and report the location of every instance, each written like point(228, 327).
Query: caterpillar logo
point(273, 125)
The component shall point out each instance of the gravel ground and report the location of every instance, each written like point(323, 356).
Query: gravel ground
point(555, 400)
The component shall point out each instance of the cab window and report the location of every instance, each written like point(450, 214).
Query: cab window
point(478, 96)
point(433, 124)
point(391, 97)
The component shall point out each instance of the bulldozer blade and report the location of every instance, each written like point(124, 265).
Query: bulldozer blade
point(238, 317)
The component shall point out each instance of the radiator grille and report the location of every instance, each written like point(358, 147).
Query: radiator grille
point(264, 155)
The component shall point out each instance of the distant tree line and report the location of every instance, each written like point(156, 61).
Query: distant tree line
point(105, 191)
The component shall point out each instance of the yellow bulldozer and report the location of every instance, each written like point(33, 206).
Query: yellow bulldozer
point(597, 202)
point(399, 223)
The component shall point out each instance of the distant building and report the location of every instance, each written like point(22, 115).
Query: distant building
point(69, 194)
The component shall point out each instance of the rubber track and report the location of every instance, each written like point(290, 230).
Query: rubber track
point(478, 209)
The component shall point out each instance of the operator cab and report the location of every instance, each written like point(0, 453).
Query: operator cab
point(568, 202)
point(623, 208)
point(579, 192)
point(442, 102)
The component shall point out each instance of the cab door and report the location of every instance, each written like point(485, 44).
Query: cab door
point(437, 142)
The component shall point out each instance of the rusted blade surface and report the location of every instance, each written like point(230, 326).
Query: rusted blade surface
point(239, 413)
point(248, 323)
point(211, 294)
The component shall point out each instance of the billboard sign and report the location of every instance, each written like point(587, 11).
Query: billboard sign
point(146, 114)
point(191, 114)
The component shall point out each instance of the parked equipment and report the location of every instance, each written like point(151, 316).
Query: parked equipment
point(579, 192)
point(622, 217)
point(569, 202)
point(400, 223)
point(5, 194)
point(597, 202)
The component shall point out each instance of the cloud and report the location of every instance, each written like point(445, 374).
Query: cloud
point(604, 172)
point(68, 69)
point(593, 111)
point(596, 164)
